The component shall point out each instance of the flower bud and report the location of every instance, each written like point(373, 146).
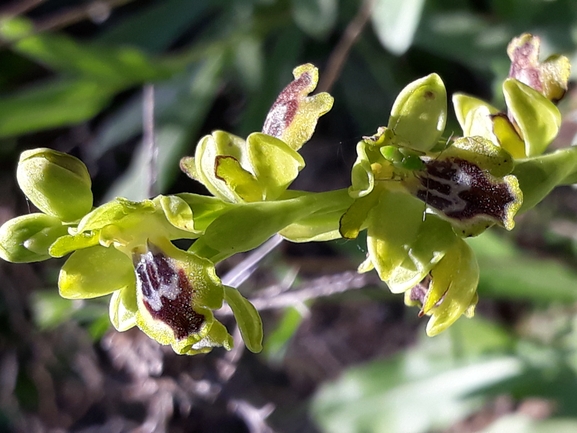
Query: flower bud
point(27, 238)
point(58, 184)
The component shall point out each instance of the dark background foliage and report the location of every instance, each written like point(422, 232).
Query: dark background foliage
point(341, 353)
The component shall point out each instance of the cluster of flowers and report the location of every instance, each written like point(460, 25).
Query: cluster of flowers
point(416, 194)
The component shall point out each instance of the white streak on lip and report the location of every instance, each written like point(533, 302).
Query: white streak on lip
point(151, 279)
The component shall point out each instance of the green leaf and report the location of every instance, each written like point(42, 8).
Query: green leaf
point(315, 17)
point(396, 22)
point(507, 273)
point(475, 40)
point(155, 27)
point(383, 396)
point(247, 318)
point(277, 340)
point(522, 423)
point(55, 103)
point(49, 309)
point(113, 66)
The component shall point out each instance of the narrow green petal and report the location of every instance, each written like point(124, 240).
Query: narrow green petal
point(68, 243)
point(177, 212)
point(353, 220)
point(362, 175)
point(473, 114)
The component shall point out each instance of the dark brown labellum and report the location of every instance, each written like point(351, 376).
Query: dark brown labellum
point(167, 293)
point(462, 190)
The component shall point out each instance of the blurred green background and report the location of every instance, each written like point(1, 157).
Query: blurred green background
point(71, 78)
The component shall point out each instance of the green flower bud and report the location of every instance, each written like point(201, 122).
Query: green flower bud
point(419, 113)
point(58, 184)
point(27, 238)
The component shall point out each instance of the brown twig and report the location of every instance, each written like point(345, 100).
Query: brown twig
point(341, 52)
point(148, 137)
point(80, 13)
point(276, 297)
point(19, 7)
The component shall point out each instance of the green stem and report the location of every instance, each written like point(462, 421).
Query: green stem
point(248, 225)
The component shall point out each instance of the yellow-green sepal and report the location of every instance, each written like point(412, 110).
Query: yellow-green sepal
point(538, 119)
point(95, 271)
point(392, 228)
point(419, 113)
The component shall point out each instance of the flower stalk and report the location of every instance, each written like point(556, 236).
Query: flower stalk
point(417, 195)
